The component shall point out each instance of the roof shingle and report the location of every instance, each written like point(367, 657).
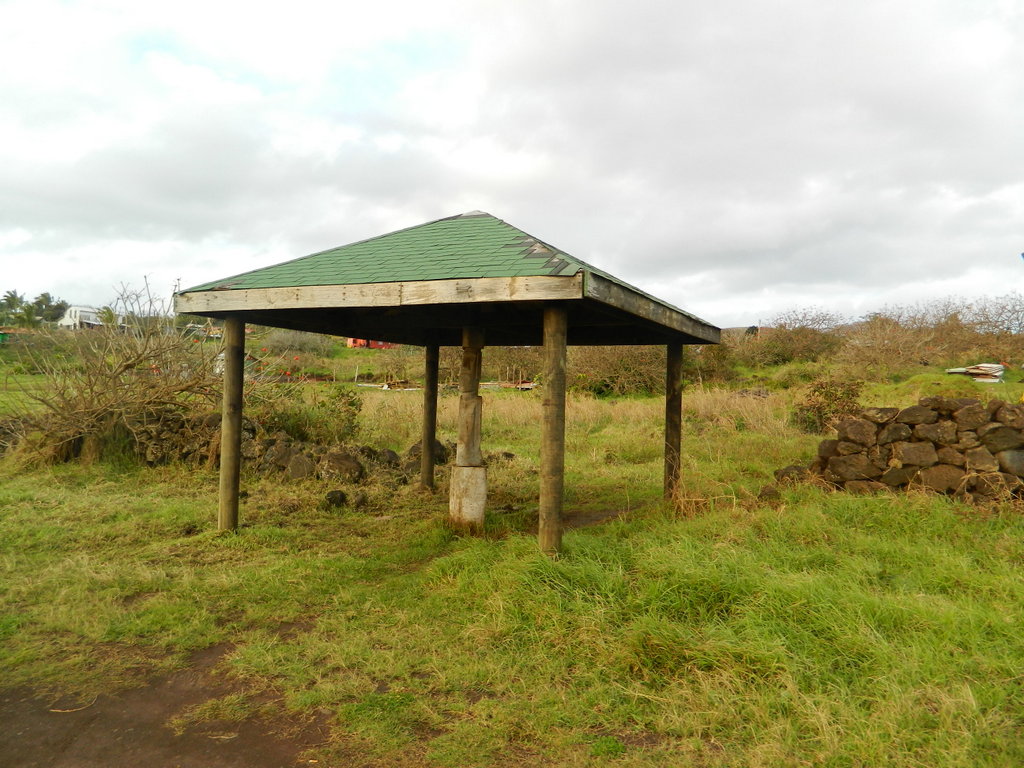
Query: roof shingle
point(465, 246)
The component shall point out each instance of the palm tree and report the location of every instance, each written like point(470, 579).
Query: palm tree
point(108, 316)
point(49, 308)
point(12, 301)
point(26, 317)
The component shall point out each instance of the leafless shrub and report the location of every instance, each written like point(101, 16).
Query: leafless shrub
point(514, 364)
point(617, 370)
point(798, 335)
point(507, 364)
point(399, 363)
point(109, 383)
point(947, 332)
point(1001, 316)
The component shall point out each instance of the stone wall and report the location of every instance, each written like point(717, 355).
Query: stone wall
point(171, 437)
point(958, 446)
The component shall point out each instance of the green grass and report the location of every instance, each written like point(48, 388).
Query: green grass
point(823, 630)
point(16, 391)
point(908, 391)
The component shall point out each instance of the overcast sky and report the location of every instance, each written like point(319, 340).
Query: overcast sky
point(737, 158)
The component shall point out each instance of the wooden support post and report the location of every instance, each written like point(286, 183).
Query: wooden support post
point(673, 417)
point(431, 357)
point(552, 449)
point(231, 422)
point(468, 492)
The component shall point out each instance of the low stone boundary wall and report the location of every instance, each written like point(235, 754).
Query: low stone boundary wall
point(951, 445)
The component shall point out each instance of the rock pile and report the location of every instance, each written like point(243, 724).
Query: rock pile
point(172, 437)
point(949, 445)
point(169, 435)
point(166, 436)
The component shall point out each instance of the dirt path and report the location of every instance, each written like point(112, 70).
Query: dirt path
point(131, 728)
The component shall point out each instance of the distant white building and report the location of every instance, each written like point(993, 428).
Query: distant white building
point(80, 317)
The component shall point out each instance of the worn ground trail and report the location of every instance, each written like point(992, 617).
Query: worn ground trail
point(131, 728)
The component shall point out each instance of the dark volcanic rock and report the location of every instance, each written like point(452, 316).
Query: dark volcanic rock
point(950, 455)
point(994, 484)
point(859, 431)
point(994, 406)
point(879, 455)
point(441, 452)
point(794, 473)
point(828, 448)
point(966, 440)
point(980, 459)
point(1011, 462)
point(971, 417)
point(943, 478)
point(854, 467)
point(280, 454)
point(845, 448)
point(947, 405)
point(893, 432)
point(896, 476)
point(879, 415)
point(388, 458)
point(915, 454)
point(336, 498)
point(300, 467)
point(866, 486)
point(343, 466)
point(1000, 438)
point(935, 402)
point(917, 414)
point(941, 432)
point(1011, 416)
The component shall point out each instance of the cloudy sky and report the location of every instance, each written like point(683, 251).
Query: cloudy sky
point(737, 158)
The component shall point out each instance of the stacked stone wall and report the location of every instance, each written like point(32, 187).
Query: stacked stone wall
point(959, 446)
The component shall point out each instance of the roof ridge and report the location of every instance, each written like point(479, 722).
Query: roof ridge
point(225, 282)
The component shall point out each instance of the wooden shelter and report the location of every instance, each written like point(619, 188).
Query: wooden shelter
point(469, 280)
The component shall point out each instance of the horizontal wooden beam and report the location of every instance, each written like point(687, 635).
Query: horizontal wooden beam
point(637, 304)
point(401, 294)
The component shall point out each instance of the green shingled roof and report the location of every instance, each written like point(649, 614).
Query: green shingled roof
point(471, 245)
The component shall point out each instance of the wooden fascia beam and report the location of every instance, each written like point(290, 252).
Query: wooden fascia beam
point(613, 294)
point(399, 294)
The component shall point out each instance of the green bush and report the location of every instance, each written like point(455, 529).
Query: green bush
point(327, 415)
point(713, 363)
point(827, 401)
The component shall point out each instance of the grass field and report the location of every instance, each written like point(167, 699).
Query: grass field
point(821, 629)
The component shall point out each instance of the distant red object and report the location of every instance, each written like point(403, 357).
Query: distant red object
point(368, 344)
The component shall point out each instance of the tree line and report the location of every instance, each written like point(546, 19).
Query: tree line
point(17, 310)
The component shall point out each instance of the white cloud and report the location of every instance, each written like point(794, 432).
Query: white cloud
point(737, 159)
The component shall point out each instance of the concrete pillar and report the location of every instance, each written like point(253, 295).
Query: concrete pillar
point(468, 491)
